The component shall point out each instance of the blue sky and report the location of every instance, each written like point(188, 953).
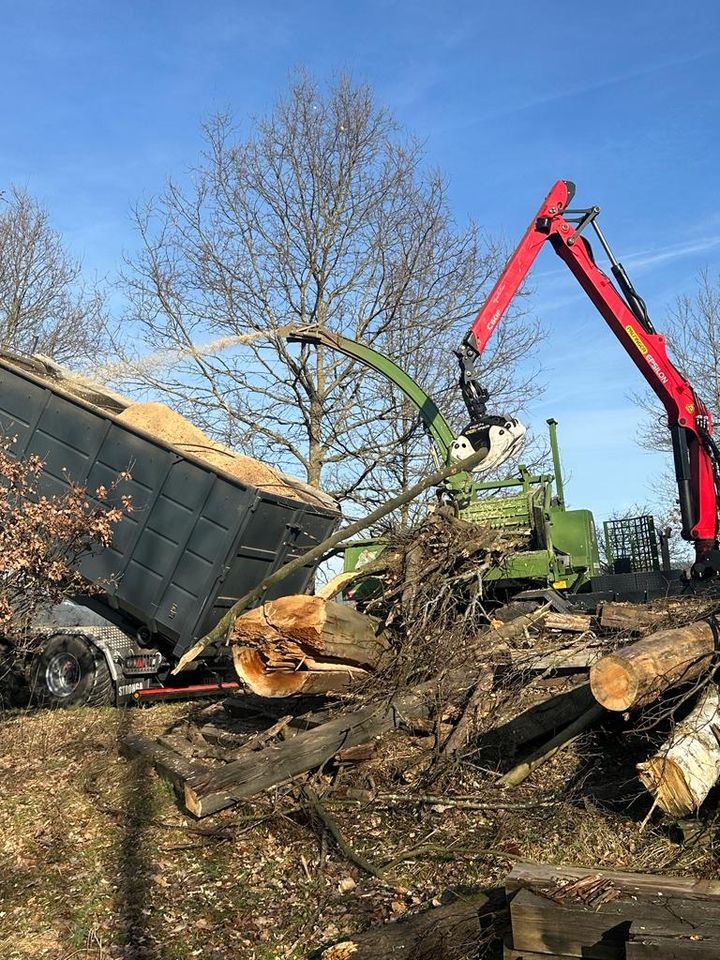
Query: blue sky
point(102, 101)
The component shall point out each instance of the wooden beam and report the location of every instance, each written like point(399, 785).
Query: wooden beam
point(545, 877)
point(683, 925)
point(599, 931)
point(542, 926)
point(664, 948)
point(280, 762)
point(170, 765)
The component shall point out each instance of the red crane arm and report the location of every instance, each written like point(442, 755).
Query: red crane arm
point(689, 420)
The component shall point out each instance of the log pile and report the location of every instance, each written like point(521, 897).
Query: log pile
point(429, 699)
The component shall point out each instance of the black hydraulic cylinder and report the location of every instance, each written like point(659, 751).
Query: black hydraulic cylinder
point(681, 456)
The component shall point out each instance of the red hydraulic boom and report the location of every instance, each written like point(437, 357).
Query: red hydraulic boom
point(695, 452)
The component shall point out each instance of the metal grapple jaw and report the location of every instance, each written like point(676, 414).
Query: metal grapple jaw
point(501, 437)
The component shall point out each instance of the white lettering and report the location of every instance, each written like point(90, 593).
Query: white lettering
point(656, 367)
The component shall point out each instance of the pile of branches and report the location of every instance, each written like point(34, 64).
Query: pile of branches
point(435, 598)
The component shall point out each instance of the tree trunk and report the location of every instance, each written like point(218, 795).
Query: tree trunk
point(684, 770)
point(301, 644)
point(638, 674)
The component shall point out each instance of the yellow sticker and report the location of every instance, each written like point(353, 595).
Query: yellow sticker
point(636, 339)
point(560, 584)
point(690, 408)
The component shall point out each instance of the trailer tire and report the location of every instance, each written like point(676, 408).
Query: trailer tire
point(70, 671)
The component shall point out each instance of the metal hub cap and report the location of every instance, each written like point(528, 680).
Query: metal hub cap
point(62, 675)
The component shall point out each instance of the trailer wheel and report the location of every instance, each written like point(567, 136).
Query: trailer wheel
point(71, 672)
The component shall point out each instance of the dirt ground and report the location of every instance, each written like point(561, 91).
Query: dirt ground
point(99, 861)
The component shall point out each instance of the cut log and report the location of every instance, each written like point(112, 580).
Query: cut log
point(639, 673)
point(687, 766)
point(629, 617)
point(443, 933)
point(301, 644)
point(568, 622)
point(513, 628)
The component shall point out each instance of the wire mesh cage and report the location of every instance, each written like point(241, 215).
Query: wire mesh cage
point(631, 545)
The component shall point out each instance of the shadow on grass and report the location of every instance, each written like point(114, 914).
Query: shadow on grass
point(134, 859)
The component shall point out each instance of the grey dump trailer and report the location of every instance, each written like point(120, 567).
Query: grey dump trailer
point(196, 539)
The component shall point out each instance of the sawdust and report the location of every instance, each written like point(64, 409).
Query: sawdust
point(171, 427)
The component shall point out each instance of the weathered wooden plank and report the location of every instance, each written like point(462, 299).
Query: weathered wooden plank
point(509, 953)
point(174, 767)
point(544, 877)
point(176, 743)
point(542, 926)
point(681, 923)
point(599, 931)
point(665, 948)
point(280, 762)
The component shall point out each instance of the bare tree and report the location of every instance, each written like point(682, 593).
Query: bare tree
point(44, 305)
point(692, 330)
point(322, 215)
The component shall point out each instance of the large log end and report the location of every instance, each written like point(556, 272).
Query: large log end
point(613, 683)
point(642, 671)
point(253, 670)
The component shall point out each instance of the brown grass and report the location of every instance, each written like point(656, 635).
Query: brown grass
point(99, 861)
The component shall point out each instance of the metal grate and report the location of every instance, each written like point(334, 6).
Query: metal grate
point(504, 512)
point(631, 545)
